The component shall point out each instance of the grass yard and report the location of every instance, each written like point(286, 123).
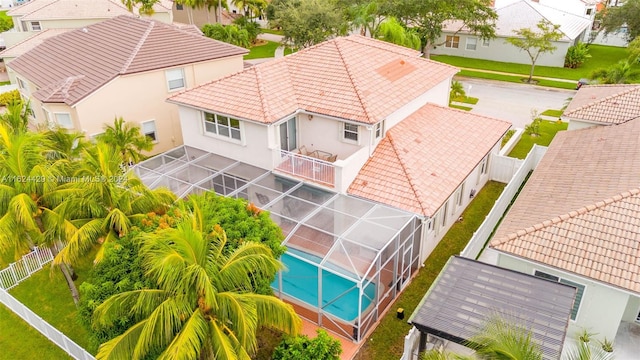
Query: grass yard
point(18, 340)
point(552, 113)
point(516, 79)
point(266, 50)
point(467, 100)
point(601, 57)
point(548, 130)
point(387, 341)
point(272, 31)
point(47, 294)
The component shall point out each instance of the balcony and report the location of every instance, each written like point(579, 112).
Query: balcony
point(314, 166)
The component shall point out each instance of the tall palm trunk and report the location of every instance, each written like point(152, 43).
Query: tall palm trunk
point(67, 272)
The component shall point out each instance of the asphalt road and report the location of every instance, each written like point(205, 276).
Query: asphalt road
point(513, 102)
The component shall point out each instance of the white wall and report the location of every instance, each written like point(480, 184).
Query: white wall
point(501, 50)
point(601, 309)
point(577, 7)
point(575, 124)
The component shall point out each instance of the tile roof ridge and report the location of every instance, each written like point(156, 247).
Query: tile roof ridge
point(545, 18)
point(262, 94)
point(357, 90)
point(143, 39)
point(406, 173)
point(598, 101)
point(39, 8)
point(570, 215)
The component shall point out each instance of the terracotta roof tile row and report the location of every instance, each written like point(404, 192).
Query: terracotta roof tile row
point(601, 242)
point(87, 58)
point(605, 104)
point(354, 78)
point(30, 43)
point(580, 209)
point(424, 159)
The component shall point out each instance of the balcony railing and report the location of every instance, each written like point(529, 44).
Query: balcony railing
point(307, 167)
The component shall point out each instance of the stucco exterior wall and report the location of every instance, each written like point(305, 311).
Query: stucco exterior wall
point(438, 95)
point(501, 50)
point(575, 124)
point(601, 309)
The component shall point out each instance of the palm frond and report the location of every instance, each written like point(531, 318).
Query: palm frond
point(239, 311)
point(223, 348)
point(136, 303)
point(81, 242)
point(189, 341)
point(121, 347)
point(275, 313)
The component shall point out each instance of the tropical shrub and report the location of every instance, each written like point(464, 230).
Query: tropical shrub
point(8, 97)
point(302, 347)
point(232, 34)
point(576, 55)
point(252, 27)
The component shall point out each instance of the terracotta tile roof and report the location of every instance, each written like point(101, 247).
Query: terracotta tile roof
point(30, 43)
point(605, 104)
point(72, 65)
point(424, 159)
point(355, 78)
point(28, 7)
point(580, 209)
point(70, 9)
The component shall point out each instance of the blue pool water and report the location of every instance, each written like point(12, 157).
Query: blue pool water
point(339, 295)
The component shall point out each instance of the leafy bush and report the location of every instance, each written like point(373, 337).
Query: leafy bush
point(231, 34)
point(252, 27)
point(507, 137)
point(6, 24)
point(303, 348)
point(576, 56)
point(9, 97)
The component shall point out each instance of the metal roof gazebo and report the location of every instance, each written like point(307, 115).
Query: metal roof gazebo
point(468, 292)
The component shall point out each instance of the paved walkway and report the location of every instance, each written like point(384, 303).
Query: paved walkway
point(275, 38)
point(513, 74)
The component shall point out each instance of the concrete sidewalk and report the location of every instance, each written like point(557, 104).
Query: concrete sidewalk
point(520, 75)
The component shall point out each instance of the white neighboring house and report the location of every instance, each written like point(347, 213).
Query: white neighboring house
point(577, 221)
point(515, 16)
point(584, 8)
point(602, 105)
point(357, 115)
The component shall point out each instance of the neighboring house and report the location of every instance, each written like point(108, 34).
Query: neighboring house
point(521, 14)
point(38, 15)
point(357, 115)
point(577, 222)
point(126, 66)
point(23, 46)
point(601, 105)
point(584, 8)
point(200, 16)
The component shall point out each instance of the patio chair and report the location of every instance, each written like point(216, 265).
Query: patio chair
point(302, 150)
point(332, 158)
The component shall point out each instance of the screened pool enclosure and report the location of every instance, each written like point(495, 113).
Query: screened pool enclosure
point(347, 258)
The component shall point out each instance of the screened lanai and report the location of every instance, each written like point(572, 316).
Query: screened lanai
point(347, 258)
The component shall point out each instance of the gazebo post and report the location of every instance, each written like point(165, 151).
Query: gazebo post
point(422, 344)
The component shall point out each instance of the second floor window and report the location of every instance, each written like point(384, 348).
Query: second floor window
point(175, 79)
point(222, 126)
point(379, 129)
point(22, 85)
point(35, 26)
point(149, 130)
point(350, 132)
point(452, 41)
point(64, 120)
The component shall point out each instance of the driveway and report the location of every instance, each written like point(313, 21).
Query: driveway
point(513, 102)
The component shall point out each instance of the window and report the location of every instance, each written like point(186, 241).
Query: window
point(444, 213)
point(452, 41)
point(638, 317)
point(222, 126)
point(471, 43)
point(64, 120)
point(379, 129)
point(484, 167)
point(579, 288)
point(179, 7)
point(22, 85)
point(149, 130)
point(589, 11)
point(350, 132)
point(35, 26)
point(485, 42)
point(175, 79)
point(459, 195)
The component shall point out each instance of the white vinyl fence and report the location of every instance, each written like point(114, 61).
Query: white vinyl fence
point(411, 344)
point(502, 167)
point(17, 272)
point(58, 338)
point(20, 270)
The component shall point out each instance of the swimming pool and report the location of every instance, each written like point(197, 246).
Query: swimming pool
point(339, 295)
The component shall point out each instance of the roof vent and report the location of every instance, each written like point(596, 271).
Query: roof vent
point(85, 30)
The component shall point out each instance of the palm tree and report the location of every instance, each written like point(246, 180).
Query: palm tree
point(620, 73)
point(103, 201)
point(17, 116)
point(146, 6)
point(204, 306)
point(504, 339)
point(457, 91)
point(391, 30)
point(126, 137)
point(30, 194)
point(367, 18)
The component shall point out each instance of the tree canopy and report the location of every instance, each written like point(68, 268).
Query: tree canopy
point(613, 18)
point(307, 22)
point(126, 138)
point(536, 42)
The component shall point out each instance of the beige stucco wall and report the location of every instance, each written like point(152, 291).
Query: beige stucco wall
point(500, 50)
point(602, 306)
point(575, 124)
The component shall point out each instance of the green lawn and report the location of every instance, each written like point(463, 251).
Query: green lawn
point(47, 294)
point(459, 107)
point(387, 341)
point(515, 79)
point(266, 50)
point(272, 31)
point(601, 56)
point(548, 130)
point(18, 340)
point(552, 113)
point(467, 100)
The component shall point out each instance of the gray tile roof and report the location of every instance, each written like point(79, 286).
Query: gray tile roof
point(72, 65)
point(467, 293)
point(605, 104)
